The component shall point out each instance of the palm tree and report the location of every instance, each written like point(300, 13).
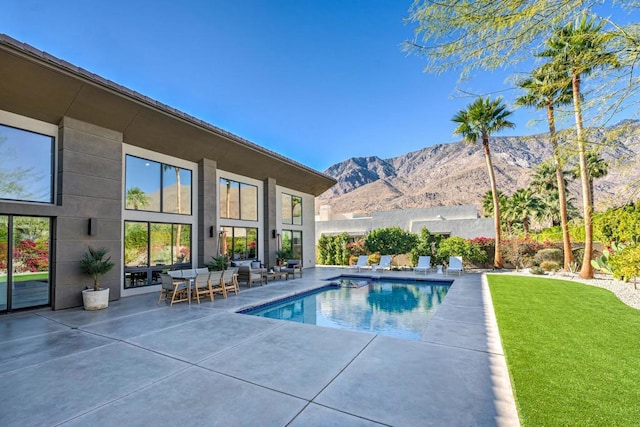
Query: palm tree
point(487, 202)
point(550, 86)
point(136, 198)
point(580, 47)
point(597, 168)
point(524, 205)
point(477, 122)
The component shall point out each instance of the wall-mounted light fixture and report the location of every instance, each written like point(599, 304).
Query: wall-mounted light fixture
point(273, 233)
point(211, 231)
point(93, 227)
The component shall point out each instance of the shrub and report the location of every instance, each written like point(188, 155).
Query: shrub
point(390, 241)
point(626, 263)
point(453, 246)
point(536, 270)
point(550, 266)
point(520, 252)
point(550, 254)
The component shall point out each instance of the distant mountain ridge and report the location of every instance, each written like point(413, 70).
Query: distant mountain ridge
point(456, 173)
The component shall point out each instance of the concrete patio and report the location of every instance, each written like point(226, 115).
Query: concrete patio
point(139, 363)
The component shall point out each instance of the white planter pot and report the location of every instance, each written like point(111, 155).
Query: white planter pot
point(95, 300)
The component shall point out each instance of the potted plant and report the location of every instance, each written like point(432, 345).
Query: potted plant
point(283, 255)
point(218, 263)
point(94, 264)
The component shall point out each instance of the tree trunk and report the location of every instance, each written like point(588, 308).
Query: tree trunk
point(562, 195)
point(497, 259)
point(587, 270)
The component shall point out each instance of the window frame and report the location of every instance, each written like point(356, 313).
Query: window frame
point(240, 184)
point(161, 188)
point(290, 215)
point(150, 268)
point(33, 126)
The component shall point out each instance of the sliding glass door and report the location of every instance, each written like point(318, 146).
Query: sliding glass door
point(24, 262)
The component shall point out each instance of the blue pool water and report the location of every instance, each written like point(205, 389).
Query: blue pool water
point(392, 308)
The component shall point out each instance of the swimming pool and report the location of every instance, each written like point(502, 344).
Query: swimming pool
point(395, 308)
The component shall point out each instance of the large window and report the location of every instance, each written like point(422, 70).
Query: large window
point(157, 187)
point(26, 165)
point(238, 200)
point(291, 209)
point(292, 242)
point(151, 247)
point(239, 242)
point(24, 261)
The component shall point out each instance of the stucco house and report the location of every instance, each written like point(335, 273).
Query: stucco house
point(85, 161)
point(462, 221)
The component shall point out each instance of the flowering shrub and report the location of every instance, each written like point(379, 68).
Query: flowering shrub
point(30, 256)
point(357, 248)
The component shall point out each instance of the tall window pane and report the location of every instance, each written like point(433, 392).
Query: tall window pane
point(30, 279)
point(161, 244)
point(296, 210)
point(182, 235)
point(252, 243)
point(136, 240)
point(142, 184)
point(249, 200)
point(26, 165)
point(296, 244)
point(176, 190)
point(287, 217)
point(4, 260)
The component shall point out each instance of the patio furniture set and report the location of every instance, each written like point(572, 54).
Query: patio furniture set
point(424, 264)
point(183, 285)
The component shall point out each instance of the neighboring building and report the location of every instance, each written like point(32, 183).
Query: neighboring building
point(84, 161)
point(462, 221)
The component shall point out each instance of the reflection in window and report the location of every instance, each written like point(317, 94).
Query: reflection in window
point(291, 209)
point(239, 242)
point(151, 247)
point(292, 242)
point(24, 276)
point(238, 200)
point(176, 190)
point(157, 187)
point(26, 165)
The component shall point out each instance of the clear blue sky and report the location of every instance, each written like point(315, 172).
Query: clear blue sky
point(317, 81)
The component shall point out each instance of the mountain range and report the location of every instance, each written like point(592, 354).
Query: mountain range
point(456, 173)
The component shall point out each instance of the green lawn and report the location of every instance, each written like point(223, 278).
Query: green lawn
point(573, 352)
point(21, 277)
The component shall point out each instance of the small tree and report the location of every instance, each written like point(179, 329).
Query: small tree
point(94, 264)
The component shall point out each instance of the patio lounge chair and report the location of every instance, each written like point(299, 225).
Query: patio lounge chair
point(424, 264)
point(250, 275)
point(385, 263)
point(362, 262)
point(455, 264)
point(292, 267)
